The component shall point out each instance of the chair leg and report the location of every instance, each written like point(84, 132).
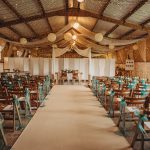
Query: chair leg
point(119, 121)
point(3, 136)
point(14, 119)
point(135, 137)
point(18, 115)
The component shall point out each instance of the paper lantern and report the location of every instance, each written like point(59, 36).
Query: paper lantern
point(111, 46)
point(135, 47)
point(23, 41)
point(98, 37)
point(51, 37)
point(67, 36)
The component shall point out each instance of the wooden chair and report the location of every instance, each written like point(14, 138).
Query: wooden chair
point(133, 104)
point(75, 76)
point(4, 144)
point(114, 100)
point(11, 110)
point(63, 77)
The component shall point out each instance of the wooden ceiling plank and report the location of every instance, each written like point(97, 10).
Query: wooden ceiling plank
point(101, 12)
point(138, 6)
point(18, 15)
point(43, 13)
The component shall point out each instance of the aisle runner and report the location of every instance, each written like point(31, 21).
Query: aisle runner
point(71, 120)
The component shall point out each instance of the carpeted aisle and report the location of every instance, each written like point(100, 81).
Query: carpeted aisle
point(71, 120)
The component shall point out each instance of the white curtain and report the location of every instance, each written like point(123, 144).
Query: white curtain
point(43, 66)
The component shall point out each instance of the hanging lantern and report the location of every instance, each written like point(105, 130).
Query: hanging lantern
point(98, 37)
point(111, 46)
point(23, 41)
point(51, 37)
point(67, 36)
point(135, 47)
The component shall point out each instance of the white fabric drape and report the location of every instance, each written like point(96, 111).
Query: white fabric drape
point(43, 66)
point(60, 51)
point(84, 52)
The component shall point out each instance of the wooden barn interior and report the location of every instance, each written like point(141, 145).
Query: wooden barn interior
point(74, 74)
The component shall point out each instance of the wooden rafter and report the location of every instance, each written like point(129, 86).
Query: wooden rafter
point(43, 13)
point(101, 12)
point(18, 15)
point(15, 31)
point(127, 33)
point(133, 30)
point(138, 6)
point(5, 37)
point(67, 7)
point(111, 30)
point(142, 36)
point(74, 12)
point(12, 29)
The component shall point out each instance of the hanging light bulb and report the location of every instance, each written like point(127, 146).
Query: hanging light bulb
point(74, 37)
point(67, 36)
point(76, 25)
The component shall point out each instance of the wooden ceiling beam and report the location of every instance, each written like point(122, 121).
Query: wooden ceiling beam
point(18, 15)
point(111, 30)
point(133, 30)
point(43, 13)
point(101, 12)
point(142, 36)
point(127, 33)
point(66, 16)
point(12, 29)
point(74, 12)
point(138, 6)
point(5, 37)
point(15, 31)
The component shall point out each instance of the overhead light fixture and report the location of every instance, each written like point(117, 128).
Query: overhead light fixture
point(98, 37)
point(23, 41)
point(76, 25)
point(51, 37)
point(68, 36)
point(80, 1)
point(74, 37)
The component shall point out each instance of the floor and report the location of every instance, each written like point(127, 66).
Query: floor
point(72, 119)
